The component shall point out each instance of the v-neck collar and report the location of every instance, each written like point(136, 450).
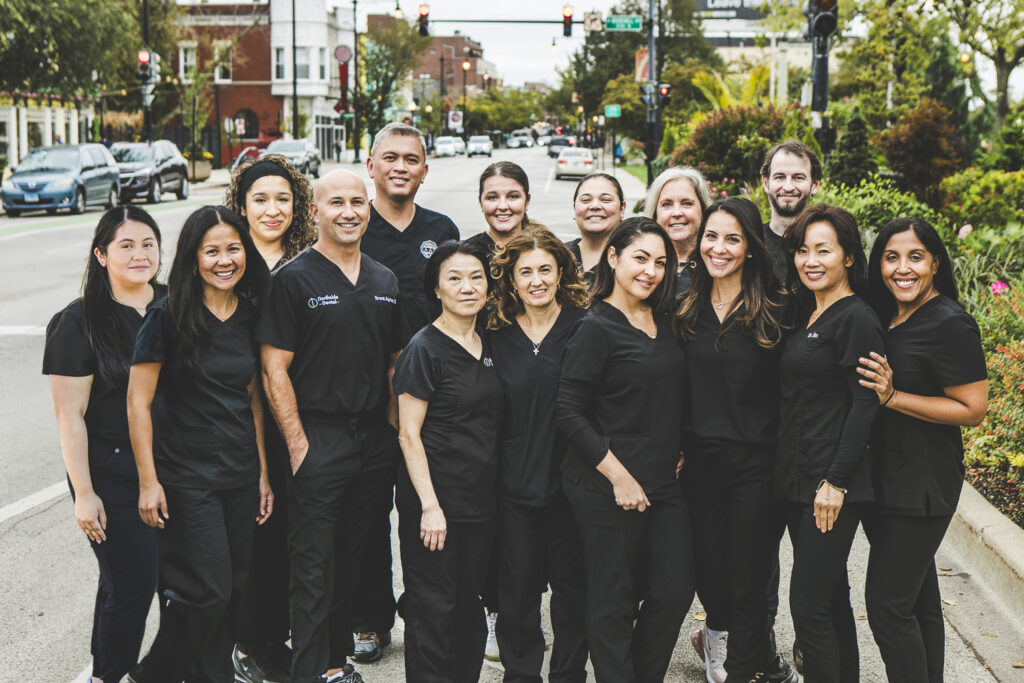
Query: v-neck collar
point(339, 271)
point(555, 325)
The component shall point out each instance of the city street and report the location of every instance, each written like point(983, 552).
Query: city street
point(49, 572)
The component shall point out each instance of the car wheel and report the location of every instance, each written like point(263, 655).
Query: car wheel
point(317, 173)
point(78, 206)
point(182, 192)
point(155, 192)
point(13, 213)
point(112, 198)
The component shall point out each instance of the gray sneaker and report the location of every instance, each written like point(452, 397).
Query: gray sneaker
point(491, 650)
point(369, 647)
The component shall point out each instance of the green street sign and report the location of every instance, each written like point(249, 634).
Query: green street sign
point(348, 115)
point(612, 111)
point(624, 22)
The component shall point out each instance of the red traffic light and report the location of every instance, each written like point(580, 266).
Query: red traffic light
point(143, 56)
point(424, 9)
point(825, 5)
point(663, 90)
point(567, 11)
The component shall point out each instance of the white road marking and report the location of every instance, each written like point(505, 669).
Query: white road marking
point(84, 676)
point(22, 506)
point(22, 330)
point(547, 182)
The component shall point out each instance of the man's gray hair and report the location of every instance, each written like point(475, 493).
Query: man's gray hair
point(397, 128)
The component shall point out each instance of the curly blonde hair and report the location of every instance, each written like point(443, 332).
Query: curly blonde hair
point(302, 232)
point(505, 304)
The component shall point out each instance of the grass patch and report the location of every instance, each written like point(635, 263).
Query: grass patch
point(638, 172)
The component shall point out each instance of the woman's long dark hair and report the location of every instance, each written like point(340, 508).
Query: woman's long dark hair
point(760, 295)
point(101, 323)
point(662, 299)
point(845, 227)
point(878, 295)
point(185, 302)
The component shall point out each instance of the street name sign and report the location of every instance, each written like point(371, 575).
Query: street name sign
point(624, 22)
point(612, 111)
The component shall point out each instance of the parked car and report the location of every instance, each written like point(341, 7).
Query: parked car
point(460, 145)
point(148, 169)
point(520, 138)
point(574, 161)
point(543, 140)
point(558, 143)
point(444, 146)
point(62, 177)
point(302, 153)
point(479, 144)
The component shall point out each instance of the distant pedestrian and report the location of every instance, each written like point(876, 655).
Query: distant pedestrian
point(196, 420)
point(676, 200)
point(931, 382)
point(598, 206)
point(87, 355)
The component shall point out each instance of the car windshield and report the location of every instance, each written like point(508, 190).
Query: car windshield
point(127, 154)
point(444, 141)
point(50, 159)
point(479, 138)
point(286, 147)
point(574, 153)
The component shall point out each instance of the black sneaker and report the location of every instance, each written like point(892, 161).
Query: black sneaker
point(798, 658)
point(348, 674)
point(369, 647)
point(260, 668)
point(779, 672)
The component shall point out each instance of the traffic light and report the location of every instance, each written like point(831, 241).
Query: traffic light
point(663, 94)
point(424, 19)
point(566, 20)
point(647, 95)
point(822, 17)
point(145, 72)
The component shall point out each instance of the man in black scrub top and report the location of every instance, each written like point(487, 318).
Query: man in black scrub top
point(791, 174)
point(330, 333)
point(401, 235)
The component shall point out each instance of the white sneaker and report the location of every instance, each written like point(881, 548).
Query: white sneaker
point(715, 650)
point(546, 633)
point(491, 650)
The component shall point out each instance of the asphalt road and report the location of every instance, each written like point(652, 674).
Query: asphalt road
point(48, 571)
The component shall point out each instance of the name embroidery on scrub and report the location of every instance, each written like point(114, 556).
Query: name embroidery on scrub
point(386, 299)
point(812, 335)
point(427, 248)
point(324, 300)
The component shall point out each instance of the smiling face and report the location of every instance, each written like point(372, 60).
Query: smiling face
point(220, 260)
point(341, 208)
point(268, 209)
point(908, 269)
point(504, 203)
point(723, 248)
point(640, 268)
point(678, 211)
point(133, 257)
point(462, 285)
point(820, 261)
point(398, 167)
point(789, 186)
point(535, 277)
point(597, 208)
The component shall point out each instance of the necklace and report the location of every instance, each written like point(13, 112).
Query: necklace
point(536, 347)
point(721, 304)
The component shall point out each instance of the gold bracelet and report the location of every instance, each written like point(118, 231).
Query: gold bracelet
point(825, 482)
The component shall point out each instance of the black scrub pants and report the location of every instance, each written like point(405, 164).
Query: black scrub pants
point(540, 546)
point(373, 604)
point(205, 550)
point(632, 558)
point(128, 574)
point(902, 595)
point(819, 594)
point(728, 489)
point(329, 499)
point(445, 631)
point(263, 617)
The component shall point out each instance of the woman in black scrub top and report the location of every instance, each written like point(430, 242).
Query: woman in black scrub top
point(931, 382)
point(822, 471)
point(598, 206)
point(538, 299)
point(449, 412)
point(504, 197)
point(677, 199)
point(730, 321)
point(619, 405)
point(195, 414)
point(87, 355)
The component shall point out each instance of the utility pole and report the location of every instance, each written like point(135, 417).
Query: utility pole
point(147, 87)
point(357, 137)
point(295, 79)
point(651, 101)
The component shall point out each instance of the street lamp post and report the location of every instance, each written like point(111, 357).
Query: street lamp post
point(444, 122)
point(465, 70)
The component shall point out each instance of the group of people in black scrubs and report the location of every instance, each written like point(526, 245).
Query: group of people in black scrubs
point(627, 419)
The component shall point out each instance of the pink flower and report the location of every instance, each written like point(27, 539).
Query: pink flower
point(708, 182)
point(964, 231)
point(999, 287)
point(724, 193)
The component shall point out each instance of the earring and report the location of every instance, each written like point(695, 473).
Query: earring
point(195, 270)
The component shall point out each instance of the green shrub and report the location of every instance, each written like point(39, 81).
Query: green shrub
point(659, 164)
point(984, 199)
point(853, 161)
point(979, 263)
point(998, 442)
point(1007, 153)
point(875, 202)
point(1000, 316)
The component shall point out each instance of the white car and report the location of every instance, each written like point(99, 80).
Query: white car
point(445, 146)
point(460, 145)
point(574, 161)
point(479, 144)
point(520, 138)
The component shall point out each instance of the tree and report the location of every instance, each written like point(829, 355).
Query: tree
point(503, 109)
point(852, 162)
point(391, 52)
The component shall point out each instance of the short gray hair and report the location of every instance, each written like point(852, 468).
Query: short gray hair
point(696, 178)
point(397, 128)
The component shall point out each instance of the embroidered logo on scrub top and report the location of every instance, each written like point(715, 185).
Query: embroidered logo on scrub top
point(386, 299)
point(427, 248)
point(325, 300)
point(488, 363)
point(812, 335)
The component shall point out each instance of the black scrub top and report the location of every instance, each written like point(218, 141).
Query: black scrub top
point(587, 275)
point(405, 253)
point(484, 241)
point(825, 414)
point(342, 335)
point(67, 352)
point(622, 391)
point(733, 384)
point(779, 257)
point(460, 430)
point(919, 467)
point(684, 277)
point(204, 436)
point(532, 449)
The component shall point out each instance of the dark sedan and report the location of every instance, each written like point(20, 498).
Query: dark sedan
point(62, 177)
point(302, 153)
point(558, 143)
point(149, 169)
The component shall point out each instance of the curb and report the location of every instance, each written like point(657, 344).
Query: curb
point(995, 546)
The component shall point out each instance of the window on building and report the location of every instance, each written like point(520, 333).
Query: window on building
point(279, 63)
point(323, 64)
point(186, 61)
point(302, 62)
point(222, 53)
